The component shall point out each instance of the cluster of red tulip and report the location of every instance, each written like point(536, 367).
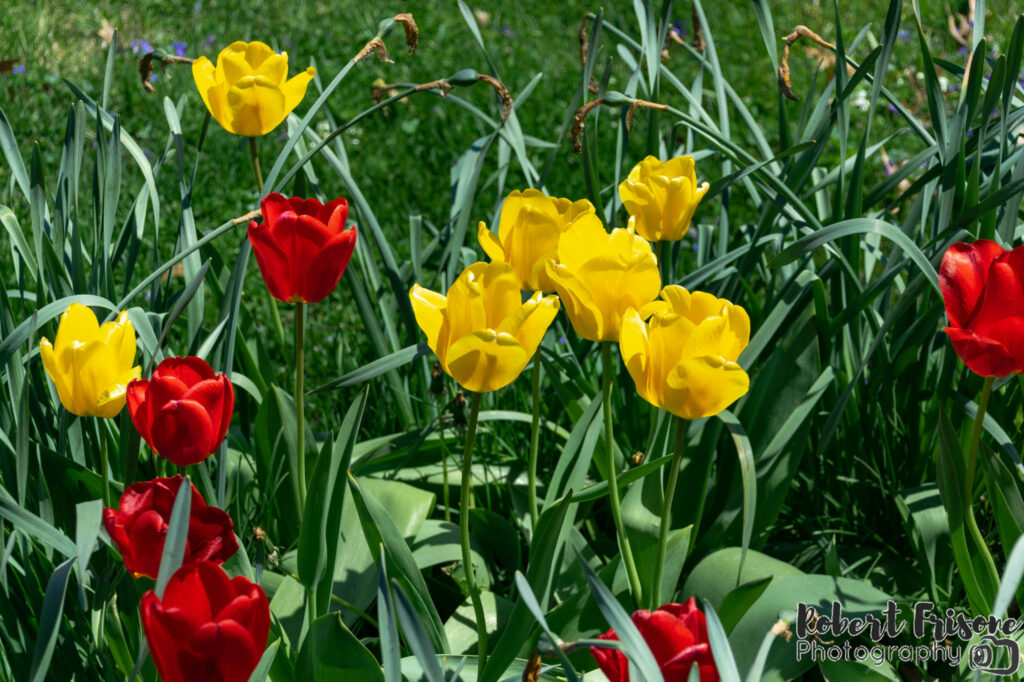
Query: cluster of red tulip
point(207, 623)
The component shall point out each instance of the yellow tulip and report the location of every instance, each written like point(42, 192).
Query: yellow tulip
point(684, 358)
point(247, 92)
point(661, 197)
point(599, 276)
point(528, 232)
point(482, 332)
point(91, 365)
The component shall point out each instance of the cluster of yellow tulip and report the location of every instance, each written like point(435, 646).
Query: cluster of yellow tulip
point(681, 349)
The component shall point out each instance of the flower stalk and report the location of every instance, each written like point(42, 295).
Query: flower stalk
point(465, 502)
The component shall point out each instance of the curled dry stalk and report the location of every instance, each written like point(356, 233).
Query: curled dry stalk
point(579, 120)
point(584, 47)
point(785, 85)
point(146, 66)
point(445, 85)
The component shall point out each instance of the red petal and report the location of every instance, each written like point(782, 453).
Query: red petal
point(985, 357)
point(189, 370)
point(146, 544)
point(136, 398)
point(163, 647)
point(962, 277)
point(272, 206)
point(273, 262)
point(220, 652)
point(326, 270)
point(334, 215)
point(211, 536)
point(182, 432)
point(217, 398)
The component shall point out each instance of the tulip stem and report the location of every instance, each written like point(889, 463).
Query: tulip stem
point(972, 456)
point(104, 465)
point(613, 488)
point(534, 445)
point(444, 461)
point(666, 510)
point(256, 164)
point(464, 506)
point(300, 412)
point(972, 448)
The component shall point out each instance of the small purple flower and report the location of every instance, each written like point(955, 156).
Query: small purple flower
point(893, 108)
point(148, 295)
point(282, 136)
point(18, 69)
point(954, 87)
point(505, 31)
point(888, 170)
point(988, 76)
point(904, 35)
point(153, 78)
point(140, 46)
point(962, 51)
point(197, 8)
point(179, 48)
point(679, 28)
point(209, 41)
point(561, 339)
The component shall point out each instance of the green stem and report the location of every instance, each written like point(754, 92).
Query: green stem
point(534, 445)
point(613, 488)
point(300, 411)
point(104, 465)
point(444, 461)
point(666, 510)
point(972, 457)
point(464, 507)
point(254, 155)
point(972, 448)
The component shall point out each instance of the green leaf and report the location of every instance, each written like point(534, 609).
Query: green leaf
point(177, 536)
point(379, 528)
point(262, 670)
point(49, 620)
point(331, 652)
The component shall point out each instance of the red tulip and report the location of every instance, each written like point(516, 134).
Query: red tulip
point(302, 246)
point(184, 411)
point(676, 635)
point(983, 288)
point(139, 527)
point(208, 627)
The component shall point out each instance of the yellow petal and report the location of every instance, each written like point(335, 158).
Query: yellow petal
point(489, 243)
point(203, 73)
point(295, 89)
point(703, 387)
point(78, 323)
point(530, 321)
point(233, 66)
point(486, 361)
point(257, 52)
point(465, 311)
point(584, 315)
point(585, 237)
point(256, 106)
point(58, 377)
point(635, 349)
point(428, 307)
point(274, 68)
point(111, 401)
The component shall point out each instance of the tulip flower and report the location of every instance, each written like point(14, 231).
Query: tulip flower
point(248, 91)
point(528, 231)
point(599, 276)
point(207, 626)
point(482, 332)
point(661, 197)
point(302, 246)
point(677, 636)
point(91, 365)
point(183, 412)
point(981, 286)
point(684, 358)
point(138, 527)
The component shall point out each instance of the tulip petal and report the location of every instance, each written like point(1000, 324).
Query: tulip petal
point(984, 356)
point(217, 398)
point(579, 304)
point(220, 651)
point(325, 270)
point(203, 73)
point(634, 345)
point(211, 536)
point(274, 68)
point(182, 432)
point(703, 387)
point(530, 321)
point(489, 243)
point(272, 261)
point(295, 89)
point(78, 324)
point(188, 371)
point(485, 361)
point(962, 277)
point(271, 208)
point(428, 307)
point(256, 105)
point(334, 214)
